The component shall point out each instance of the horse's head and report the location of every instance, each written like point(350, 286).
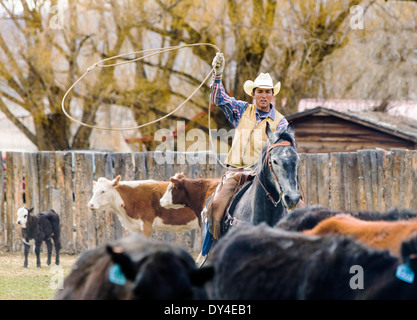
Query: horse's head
point(281, 158)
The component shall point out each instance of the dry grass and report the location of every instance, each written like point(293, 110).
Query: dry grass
point(32, 283)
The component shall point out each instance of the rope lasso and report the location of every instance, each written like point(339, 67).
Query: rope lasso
point(151, 52)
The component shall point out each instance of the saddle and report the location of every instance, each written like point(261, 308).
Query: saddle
point(246, 180)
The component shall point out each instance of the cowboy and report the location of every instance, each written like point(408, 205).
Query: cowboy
point(250, 123)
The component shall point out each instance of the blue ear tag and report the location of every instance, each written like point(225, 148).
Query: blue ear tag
point(404, 273)
point(116, 275)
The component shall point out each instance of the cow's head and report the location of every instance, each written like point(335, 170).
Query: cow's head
point(23, 215)
point(173, 198)
point(162, 275)
point(104, 193)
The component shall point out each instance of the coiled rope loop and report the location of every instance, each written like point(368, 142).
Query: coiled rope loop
point(151, 52)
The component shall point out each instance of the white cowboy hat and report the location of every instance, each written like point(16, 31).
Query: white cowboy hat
point(263, 81)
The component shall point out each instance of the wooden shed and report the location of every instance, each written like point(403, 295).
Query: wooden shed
point(322, 130)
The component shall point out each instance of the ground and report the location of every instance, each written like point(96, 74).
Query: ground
point(32, 283)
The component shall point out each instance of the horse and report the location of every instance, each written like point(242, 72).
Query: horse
point(273, 190)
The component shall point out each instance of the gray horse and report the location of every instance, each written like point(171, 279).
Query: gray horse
point(272, 191)
point(274, 188)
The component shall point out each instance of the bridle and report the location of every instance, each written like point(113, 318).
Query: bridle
point(269, 196)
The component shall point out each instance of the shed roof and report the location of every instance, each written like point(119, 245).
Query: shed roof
point(398, 126)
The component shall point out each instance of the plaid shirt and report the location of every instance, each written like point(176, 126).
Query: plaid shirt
point(233, 109)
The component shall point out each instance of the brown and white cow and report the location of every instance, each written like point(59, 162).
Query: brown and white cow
point(137, 205)
point(192, 193)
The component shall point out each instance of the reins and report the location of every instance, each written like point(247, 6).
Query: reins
point(269, 196)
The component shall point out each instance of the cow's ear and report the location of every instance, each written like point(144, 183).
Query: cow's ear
point(200, 276)
point(31, 210)
point(118, 256)
point(173, 180)
point(116, 181)
point(94, 183)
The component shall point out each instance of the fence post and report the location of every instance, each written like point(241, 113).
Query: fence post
point(10, 206)
point(2, 204)
point(354, 180)
point(44, 177)
point(413, 201)
point(323, 179)
point(105, 218)
point(83, 177)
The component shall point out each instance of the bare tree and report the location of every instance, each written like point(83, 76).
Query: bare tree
point(303, 44)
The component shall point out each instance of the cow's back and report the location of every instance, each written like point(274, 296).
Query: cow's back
point(377, 234)
point(260, 262)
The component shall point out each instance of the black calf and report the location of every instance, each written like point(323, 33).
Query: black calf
point(40, 227)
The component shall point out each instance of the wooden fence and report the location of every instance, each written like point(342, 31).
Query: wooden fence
point(363, 180)
point(372, 180)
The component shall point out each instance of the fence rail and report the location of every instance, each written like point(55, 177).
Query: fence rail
point(363, 180)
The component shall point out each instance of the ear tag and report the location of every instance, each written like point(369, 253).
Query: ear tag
point(405, 273)
point(116, 275)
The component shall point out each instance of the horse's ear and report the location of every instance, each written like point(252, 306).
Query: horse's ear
point(291, 131)
point(270, 134)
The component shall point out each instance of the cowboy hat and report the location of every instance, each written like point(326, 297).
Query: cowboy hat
point(263, 81)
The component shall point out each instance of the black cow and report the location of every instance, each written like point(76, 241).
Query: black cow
point(40, 227)
point(260, 262)
point(135, 267)
point(307, 218)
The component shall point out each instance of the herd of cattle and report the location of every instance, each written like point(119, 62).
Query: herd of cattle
point(312, 253)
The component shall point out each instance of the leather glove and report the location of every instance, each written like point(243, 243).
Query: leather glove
point(218, 63)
